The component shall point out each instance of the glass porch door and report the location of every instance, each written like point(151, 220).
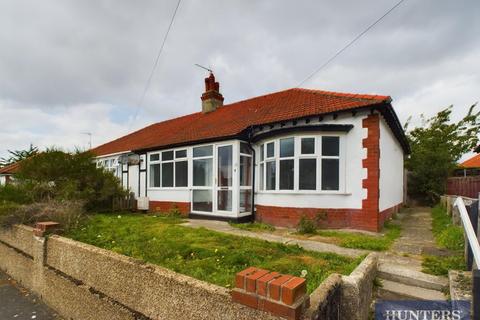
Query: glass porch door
point(224, 178)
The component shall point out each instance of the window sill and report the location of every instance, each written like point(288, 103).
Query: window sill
point(168, 189)
point(292, 192)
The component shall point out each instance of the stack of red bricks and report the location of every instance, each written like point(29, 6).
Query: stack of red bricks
point(281, 295)
point(44, 228)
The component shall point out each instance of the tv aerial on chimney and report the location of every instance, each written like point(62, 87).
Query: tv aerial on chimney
point(200, 66)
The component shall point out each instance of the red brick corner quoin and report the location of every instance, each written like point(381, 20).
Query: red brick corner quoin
point(370, 219)
point(281, 295)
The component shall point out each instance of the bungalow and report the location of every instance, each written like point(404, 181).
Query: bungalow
point(333, 157)
point(7, 172)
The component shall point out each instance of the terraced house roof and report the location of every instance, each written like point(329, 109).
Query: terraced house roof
point(232, 120)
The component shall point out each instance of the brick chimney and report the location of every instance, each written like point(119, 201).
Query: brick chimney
point(211, 98)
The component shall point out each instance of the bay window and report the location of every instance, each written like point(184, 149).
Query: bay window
point(308, 163)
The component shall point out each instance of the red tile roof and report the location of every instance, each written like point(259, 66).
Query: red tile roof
point(232, 119)
point(473, 162)
point(10, 169)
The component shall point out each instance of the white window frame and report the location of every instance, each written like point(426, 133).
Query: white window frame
point(174, 161)
point(297, 156)
point(250, 187)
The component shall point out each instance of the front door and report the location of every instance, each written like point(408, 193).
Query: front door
point(224, 179)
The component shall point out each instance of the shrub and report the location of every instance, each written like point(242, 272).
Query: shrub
point(67, 213)
point(306, 226)
point(8, 215)
point(13, 193)
point(60, 176)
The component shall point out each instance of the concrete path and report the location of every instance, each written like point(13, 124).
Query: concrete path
point(224, 227)
point(400, 268)
point(19, 304)
point(416, 239)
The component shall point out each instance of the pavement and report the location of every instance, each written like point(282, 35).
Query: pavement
point(17, 303)
point(224, 227)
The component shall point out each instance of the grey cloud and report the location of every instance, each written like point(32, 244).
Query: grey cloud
point(59, 58)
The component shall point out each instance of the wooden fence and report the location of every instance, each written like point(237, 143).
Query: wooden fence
point(464, 186)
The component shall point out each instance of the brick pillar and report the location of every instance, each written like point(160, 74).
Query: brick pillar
point(370, 219)
point(281, 295)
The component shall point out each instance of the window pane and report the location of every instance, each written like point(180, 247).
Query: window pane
point(261, 176)
point(181, 154)
point(202, 200)
point(167, 174)
point(167, 155)
point(155, 157)
point(225, 166)
point(286, 174)
point(245, 200)
point(155, 175)
point(181, 173)
point(202, 172)
point(308, 145)
point(262, 152)
point(330, 146)
point(287, 147)
point(245, 171)
point(330, 174)
point(224, 200)
point(270, 150)
point(203, 151)
point(244, 148)
point(271, 169)
point(308, 174)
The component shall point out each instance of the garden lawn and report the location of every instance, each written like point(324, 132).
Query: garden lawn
point(341, 238)
point(448, 236)
point(363, 241)
point(203, 254)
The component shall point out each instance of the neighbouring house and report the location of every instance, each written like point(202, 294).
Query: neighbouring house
point(469, 167)
point(7, 173)
point(334, 157)
point(465, 180)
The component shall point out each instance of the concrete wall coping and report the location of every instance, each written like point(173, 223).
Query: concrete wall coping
point(149, 267)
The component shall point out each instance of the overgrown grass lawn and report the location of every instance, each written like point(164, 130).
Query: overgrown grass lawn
point(363, 241)
point(203, 254)
point(253, 226)
point(449, 236)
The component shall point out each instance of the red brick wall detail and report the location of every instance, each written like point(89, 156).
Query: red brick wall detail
point(166, 206)
point(366, 218)
point(387, 214)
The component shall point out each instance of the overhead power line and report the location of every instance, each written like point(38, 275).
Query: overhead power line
point(155, 64)
point(350, 43)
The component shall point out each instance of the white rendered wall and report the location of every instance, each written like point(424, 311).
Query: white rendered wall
point(3, 180)
point(351, 195)
point(391, 168)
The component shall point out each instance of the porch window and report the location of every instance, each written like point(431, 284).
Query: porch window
point(202, 194)
point(246, 177)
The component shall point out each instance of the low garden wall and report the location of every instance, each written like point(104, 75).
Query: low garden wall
point(84, 282)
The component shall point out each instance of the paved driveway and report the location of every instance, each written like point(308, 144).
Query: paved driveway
point(17, 303)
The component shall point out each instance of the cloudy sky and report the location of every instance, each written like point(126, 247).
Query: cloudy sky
point(70, 67)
